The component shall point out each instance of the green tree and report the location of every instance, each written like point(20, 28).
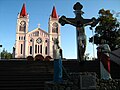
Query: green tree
point(108, 29)
point(5, 54)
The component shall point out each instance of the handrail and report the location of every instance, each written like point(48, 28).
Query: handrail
point(115, 55)
point(66, 72)
point(68, 76)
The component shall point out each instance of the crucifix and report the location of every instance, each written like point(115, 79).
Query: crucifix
point(79, 22)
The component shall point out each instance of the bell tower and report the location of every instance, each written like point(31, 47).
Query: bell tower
point(21, 34)
point(53, 30)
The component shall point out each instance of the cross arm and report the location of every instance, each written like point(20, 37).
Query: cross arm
point(63, 20)
point(92, 22)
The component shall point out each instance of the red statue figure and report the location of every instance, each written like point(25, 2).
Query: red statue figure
point(103, 51)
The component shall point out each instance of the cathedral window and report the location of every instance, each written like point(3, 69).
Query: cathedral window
point(30, 40)
point(46, 41)
point(30, 35)
point(35, 48)
point(39, 40)
point(46, 50)
point(21, 48)
point(22, 38)
point(30, 49)
point(38, 48)
point(41, 49)
point(19, 37)
point(55, 28)
point(23, 26)
point(52, 39)
point(36, 33)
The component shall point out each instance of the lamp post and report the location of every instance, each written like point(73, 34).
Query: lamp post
point(79, 22)
point(0, 51)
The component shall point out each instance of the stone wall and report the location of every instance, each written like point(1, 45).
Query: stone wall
point(90, 83)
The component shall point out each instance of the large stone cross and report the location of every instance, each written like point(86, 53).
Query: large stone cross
point(79, 22)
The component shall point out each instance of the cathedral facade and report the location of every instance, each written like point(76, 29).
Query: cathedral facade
point(37, 41)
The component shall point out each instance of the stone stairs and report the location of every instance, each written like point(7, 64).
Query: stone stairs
point(32, 75)
point(24, 75)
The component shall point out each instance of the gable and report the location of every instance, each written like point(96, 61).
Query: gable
point(38, 32)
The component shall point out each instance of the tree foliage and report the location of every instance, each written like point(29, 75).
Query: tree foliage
point(108, 29)
point(5, 54)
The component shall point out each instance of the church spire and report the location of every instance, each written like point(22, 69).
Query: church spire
point(23, 11)
point(54, 13)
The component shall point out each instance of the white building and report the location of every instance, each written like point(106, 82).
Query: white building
point(36, 41)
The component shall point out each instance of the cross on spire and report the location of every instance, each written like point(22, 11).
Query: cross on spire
point(38, 25)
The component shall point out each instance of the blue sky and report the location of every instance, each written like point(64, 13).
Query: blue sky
point(39, 12)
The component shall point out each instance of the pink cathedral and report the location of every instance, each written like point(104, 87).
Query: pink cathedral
point(37, 41)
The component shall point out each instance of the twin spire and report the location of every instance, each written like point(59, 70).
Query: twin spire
point(54, 13)
point(24, 13)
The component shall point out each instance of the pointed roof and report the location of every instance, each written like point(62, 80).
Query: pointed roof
point(23, 11)
point(54, 13)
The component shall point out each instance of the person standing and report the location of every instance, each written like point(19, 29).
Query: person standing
point(103, 51)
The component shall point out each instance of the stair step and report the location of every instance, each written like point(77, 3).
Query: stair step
point(22, 88)
point(31, 75)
